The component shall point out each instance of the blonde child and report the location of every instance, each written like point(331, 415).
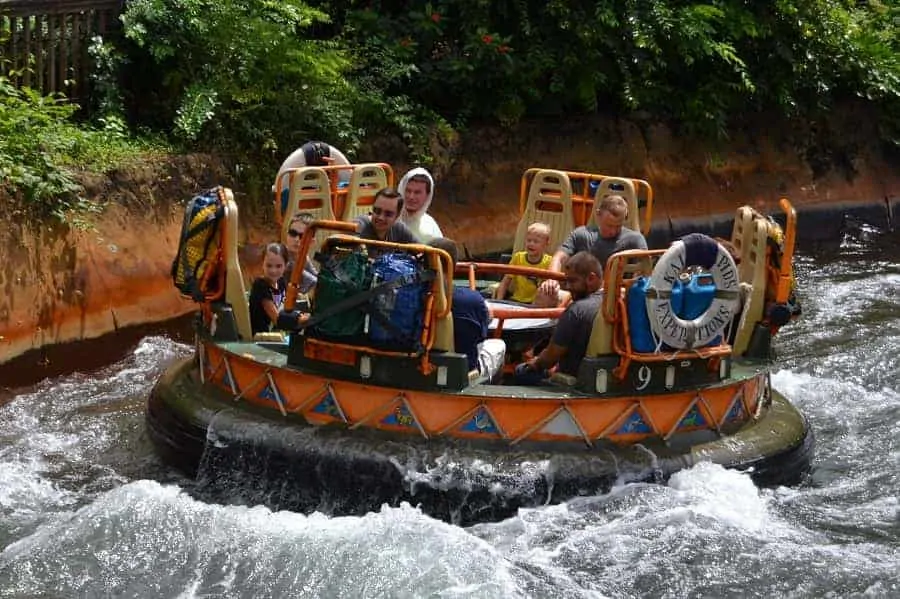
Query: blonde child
point(268, 291)
point(524, 289)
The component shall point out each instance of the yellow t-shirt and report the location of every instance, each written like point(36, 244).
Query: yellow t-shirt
point(525, 288)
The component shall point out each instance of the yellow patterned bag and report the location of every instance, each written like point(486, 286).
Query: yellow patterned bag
point(199, 243)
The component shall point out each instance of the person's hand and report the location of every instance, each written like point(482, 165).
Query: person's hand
point(523, 368)
point(549, 287)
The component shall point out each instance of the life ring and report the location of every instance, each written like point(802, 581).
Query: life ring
point(311, 154)
point(693, 250)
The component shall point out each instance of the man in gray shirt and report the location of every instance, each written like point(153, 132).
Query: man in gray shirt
point(603, 238)
point(382, 223)
point(573, 331)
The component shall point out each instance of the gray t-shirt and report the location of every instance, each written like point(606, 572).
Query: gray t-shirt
point(587, 239)
point(398, 233)
point(573, 331)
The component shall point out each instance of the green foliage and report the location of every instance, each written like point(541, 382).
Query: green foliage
point(106, 95)
point(41, 148)
point(240, 76)
point(702, 66)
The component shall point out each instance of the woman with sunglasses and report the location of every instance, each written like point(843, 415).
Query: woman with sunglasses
point(296, 229)
point(382, 224)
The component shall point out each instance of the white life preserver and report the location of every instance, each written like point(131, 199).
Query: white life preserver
point(297, 159)
point(685, 334)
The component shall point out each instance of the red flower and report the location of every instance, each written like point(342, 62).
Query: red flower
point(436, 17)
point(487, 39)
point(405, 42)
point(502, 49)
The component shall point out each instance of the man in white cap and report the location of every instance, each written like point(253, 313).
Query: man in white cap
point(417, 189)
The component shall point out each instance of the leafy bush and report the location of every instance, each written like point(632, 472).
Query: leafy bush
point(41, 148)
point(237, 75)
point(700, 66)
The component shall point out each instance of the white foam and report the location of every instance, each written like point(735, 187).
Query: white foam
point(26, 496)
point(144, 528)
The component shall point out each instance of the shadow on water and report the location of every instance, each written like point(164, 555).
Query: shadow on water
point(85, 356)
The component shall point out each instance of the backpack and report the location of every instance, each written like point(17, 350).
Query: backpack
point(198, 256)
point(397, 317)
point(343, 275)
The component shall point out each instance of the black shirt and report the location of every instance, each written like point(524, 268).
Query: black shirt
point(573, 331)
point(261, 290)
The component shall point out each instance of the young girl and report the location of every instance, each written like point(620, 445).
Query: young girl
point(267, 292)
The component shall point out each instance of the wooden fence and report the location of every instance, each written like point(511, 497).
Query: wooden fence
point(44, 43)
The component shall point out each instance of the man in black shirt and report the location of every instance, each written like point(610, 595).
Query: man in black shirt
point(568, 346)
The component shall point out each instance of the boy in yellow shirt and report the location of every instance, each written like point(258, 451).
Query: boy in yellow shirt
point(524, 289)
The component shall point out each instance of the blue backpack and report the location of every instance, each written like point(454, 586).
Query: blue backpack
point(397, 317)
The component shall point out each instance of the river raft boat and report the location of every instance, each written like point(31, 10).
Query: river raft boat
point(309, 420)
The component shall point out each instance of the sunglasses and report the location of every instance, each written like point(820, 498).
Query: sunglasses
point(294, 233)
point(382, 212)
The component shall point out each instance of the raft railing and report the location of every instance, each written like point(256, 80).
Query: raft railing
point(621, 272)
point(786, 272)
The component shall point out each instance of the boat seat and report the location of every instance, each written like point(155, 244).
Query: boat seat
point(619, 267)
point(549, 201)
point(750, 239)
point(310, 191)
point(743, 228)
point(624, 188)
point(365, 181)
point(443, 325)
point(235, 292)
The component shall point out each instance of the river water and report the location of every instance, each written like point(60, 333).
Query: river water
point(87, 510)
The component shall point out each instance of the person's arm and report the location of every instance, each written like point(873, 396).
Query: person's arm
point(548, 358)
point(637, 242)
point(559, 260)
point(308, 278)
point(269, 308)
point(550, 287)
point(503, 288)
point(559, 344)
point(261, 295)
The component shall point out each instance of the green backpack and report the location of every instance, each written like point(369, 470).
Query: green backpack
point(343, 275)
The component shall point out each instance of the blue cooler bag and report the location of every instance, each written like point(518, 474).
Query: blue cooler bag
point(638, 319)
point(397, 314)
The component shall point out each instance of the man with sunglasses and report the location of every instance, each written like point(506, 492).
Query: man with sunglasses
point(603, 238)
point(382, 224)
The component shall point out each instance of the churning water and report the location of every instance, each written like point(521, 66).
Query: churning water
point(87, 510)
